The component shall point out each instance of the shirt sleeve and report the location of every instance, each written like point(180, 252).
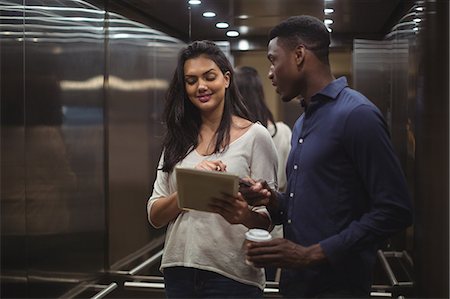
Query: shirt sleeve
point(366, 141)
point(264, 159)
point(264, 163)
point(160, 188)
point(283, 145)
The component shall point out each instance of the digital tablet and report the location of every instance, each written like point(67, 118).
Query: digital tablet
point(197, 188)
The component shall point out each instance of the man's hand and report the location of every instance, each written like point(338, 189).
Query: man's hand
point(257, 193)
point(283, 253)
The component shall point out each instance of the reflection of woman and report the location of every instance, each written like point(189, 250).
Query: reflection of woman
point(249, 84)
point(208, 128)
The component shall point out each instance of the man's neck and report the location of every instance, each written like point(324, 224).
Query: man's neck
point(316, 83)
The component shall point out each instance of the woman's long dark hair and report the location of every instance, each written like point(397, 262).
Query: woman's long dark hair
point(250, 87)
point(183, 119)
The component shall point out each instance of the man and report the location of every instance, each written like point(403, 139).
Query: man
point(346, 192)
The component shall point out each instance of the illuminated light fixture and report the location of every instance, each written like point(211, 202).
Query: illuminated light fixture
point(195, 2)
point(418, 20)
point(416, 29)
point(242, 17)
point(328, 11)
point(114, 83)
point(243, 29)
point(209, 14)
point(328, 21)
point(232, 33)
point(243, 45)
point(222, 25)
point(329, 29)
point(420, 8)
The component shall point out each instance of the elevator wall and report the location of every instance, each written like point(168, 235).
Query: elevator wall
point(406, 76)
point(82, 91)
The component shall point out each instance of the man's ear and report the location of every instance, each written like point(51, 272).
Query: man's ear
point(300, 52)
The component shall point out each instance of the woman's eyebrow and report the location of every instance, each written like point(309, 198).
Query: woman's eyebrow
point(204, 73)
point(208, 71)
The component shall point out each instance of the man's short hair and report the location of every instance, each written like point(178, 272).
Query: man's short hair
point(306, 30)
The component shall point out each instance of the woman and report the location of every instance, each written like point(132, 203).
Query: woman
point(208, 127)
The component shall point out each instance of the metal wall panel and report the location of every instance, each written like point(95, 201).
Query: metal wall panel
point(431, 232)
point(63, 145)
point(381, 72)
point(13, 171)
point(140, 64)
point(81, 101)
point(406, 75)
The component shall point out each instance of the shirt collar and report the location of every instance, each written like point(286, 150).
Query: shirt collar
point(333, 89)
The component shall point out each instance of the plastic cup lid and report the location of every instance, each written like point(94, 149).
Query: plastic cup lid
point(258, 235)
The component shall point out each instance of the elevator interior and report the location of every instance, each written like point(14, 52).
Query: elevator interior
point(82, 88)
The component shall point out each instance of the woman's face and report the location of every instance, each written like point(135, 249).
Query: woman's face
point(205, 84)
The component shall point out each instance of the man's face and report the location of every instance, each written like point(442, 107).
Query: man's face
point(283, 70)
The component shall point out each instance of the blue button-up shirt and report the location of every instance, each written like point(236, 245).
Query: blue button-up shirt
point(345, 191)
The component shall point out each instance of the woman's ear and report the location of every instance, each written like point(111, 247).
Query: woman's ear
point(227, 76)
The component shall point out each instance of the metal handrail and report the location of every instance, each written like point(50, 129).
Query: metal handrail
point(105, 291)
point(387, 268)
point(146, 263)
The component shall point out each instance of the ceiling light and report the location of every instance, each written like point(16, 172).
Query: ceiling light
point(209, 14)
point(328, 21)
point(194, 2)
point(328, 11)
point(243, 29)
point(420, 8)
point(232, 33)
point(222, 25)
point(418, 20)
point(243, 17)
point(243, 45)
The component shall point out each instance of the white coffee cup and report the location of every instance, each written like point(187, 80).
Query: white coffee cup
point(256, 235)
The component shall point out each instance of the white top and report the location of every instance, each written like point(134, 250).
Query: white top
point(206, 240)
point(282, 142)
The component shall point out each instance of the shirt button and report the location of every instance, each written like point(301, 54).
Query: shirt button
point(289, 220)
point(300, 140)
point(295, 167)
point(291, 194)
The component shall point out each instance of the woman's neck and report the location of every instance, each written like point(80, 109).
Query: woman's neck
point(211, 121)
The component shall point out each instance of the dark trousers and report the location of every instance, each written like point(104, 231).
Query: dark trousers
point(336, 294)
point(183, 282)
